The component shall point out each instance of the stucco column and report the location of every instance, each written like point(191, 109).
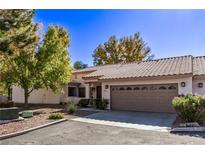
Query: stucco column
point(188, 86)
point(87, 91)
point(106, 93)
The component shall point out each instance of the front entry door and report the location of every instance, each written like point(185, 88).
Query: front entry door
point(99, 92)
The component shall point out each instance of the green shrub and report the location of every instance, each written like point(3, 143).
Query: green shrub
point(71, 108)
point(92, 102)
point(55, 116)
point(101, 104)
point(83, 102)
point(6, 104)
point(190, 108)
point(63, 103)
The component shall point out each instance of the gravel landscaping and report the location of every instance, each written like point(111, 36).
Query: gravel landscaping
point(179, 123)
point(40, 118)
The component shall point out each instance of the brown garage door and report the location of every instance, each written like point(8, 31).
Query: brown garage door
point(154, 98)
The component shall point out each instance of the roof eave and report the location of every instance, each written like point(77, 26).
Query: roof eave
point(197, 76)
point(149, 77)
point(92, 77)
point(83, 71)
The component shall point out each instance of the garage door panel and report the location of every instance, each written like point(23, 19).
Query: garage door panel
point(155, 98)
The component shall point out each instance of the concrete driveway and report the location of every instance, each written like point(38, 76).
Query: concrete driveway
point(139, 120)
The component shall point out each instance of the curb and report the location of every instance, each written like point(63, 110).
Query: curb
point(121, 124)
point(91, 109)
point(31, 129)
point(187, 129)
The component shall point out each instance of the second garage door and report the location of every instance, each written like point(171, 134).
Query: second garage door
point(153, 98)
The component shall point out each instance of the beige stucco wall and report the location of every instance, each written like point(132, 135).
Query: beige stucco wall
point(75, 78)
point(78, 77)
point(106, 92)
point(41, 96)
point(65, 98)
point(48, 97)
point(181, 90)
point(196, 89)
point(44, 96)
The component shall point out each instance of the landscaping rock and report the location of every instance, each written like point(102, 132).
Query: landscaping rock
point(27, 114)
point(188, 129)
point(189, 124)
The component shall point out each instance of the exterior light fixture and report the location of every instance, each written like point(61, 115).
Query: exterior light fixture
point(106, 86)
point(183, 84)
point(200, 85)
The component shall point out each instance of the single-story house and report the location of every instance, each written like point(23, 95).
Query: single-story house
point(137, 86)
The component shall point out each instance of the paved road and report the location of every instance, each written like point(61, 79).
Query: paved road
point(72, 132)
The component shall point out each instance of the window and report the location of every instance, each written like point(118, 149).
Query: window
point(129, 88)
point(81, 91)
point(136, 88)
point(121, 88)
point(153, 88)
point(144, 88)
point(162, 88)
point(172, 87)
point(72, 91)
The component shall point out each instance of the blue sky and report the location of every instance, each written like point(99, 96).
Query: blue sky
point(168, 32)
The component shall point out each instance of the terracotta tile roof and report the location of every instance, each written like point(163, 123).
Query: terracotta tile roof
point(199, 65)
point(89, 69)
point(161, 67)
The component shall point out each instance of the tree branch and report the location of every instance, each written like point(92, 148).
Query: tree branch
point(30, 91)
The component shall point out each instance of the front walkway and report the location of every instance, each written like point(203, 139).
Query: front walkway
point(138, 120)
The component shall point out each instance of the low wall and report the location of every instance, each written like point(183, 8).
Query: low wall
point(9, 113)
point(3, 99)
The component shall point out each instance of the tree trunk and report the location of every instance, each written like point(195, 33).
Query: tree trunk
point(9, 93)
point(26, 95)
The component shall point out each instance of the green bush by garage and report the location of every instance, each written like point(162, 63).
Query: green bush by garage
point(190, 108)
point(95, 103)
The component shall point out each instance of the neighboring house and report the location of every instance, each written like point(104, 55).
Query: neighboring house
point(137, 86)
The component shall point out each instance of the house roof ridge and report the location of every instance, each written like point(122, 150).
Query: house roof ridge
point(95, 66)
point(159, 59)
point(192, 65)
point(83, 68)
point(198, 65)
point(152, 60)
point(199, 57)
point(122, 63)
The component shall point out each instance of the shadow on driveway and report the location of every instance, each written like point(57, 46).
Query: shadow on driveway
point(140, 118)
point(193, 134)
